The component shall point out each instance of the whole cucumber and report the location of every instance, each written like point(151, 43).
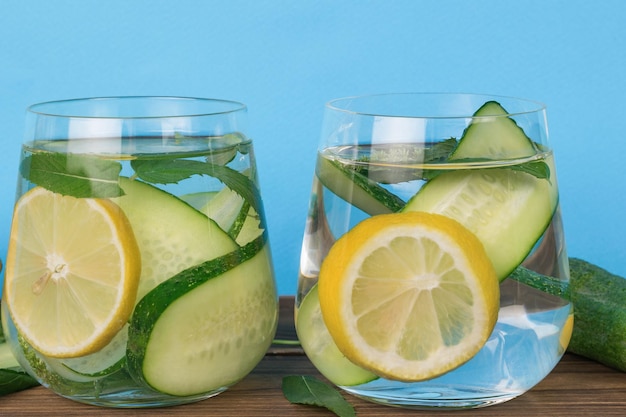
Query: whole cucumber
point(599, 300)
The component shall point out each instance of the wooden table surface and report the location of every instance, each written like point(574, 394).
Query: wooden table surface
point(576, 387)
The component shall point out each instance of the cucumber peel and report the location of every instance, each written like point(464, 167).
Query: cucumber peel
point(206, 327)
point(357, 189)
point(224, 207)
point(171, 235)
point(507, 210)
point(493, 135)
point(599, 299)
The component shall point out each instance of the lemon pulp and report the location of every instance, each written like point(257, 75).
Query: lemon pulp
point(72, 273)
point(409, 296)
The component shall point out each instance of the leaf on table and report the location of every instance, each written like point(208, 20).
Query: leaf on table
point(14, 380)
point(309, 390)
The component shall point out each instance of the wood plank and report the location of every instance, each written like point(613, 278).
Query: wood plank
point(577, 387)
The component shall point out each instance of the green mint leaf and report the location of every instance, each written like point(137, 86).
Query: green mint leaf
point(14, 380)
point(308, 390)
point(537, 169)
point(80, 176)
point(168, 171)
point(440, 151)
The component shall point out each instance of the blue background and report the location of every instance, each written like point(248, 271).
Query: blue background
point(285, 59)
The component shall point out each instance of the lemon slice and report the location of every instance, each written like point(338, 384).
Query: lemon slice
point(408, 296)
point(72, 272)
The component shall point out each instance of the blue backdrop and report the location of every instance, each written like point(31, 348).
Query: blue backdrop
point(285, 59)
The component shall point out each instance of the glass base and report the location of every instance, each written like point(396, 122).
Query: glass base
point(444, 397)
point(139, 399)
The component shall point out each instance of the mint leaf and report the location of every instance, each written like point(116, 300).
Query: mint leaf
point(537, 169)
point(308, 390)
point(169, 171)
point(79, 176)
point(14, 380)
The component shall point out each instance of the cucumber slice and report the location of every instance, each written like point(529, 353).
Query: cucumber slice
point(104, 362)
point(234, 215)
point(320, 348)
point(224, 207)
point(247, 226)
point(356, 189)
point(494, 138)
point(206, 328)
point(508, 210)
point(13, 377)
point(198, 200)
point(7, 359)
point(171, 235)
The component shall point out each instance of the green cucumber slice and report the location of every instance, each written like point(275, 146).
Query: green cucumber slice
point(508, 210)
point(207, 327)
point(171, 235)
point(494, 138)
point(247, 227)
point(234, 215)
point(358, 190)
point(224, 207)
point(104, 362)
point(7, 359)
point(320, 348)
point(198, 200)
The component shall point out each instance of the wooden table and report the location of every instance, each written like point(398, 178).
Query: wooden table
point(576, 387)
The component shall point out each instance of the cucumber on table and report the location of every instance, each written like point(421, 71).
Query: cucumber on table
point(599, 300)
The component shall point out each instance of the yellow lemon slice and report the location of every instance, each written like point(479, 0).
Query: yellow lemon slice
point(72, 272)
point(409, 296)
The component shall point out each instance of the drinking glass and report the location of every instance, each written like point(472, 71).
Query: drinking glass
point(139, 271)
point(433, 269)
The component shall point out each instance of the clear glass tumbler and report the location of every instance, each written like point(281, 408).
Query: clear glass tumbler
point(139, 271)
point(433, 270)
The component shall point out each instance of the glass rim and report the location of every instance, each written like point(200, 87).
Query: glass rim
point(334, 104)
point(40, 108)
